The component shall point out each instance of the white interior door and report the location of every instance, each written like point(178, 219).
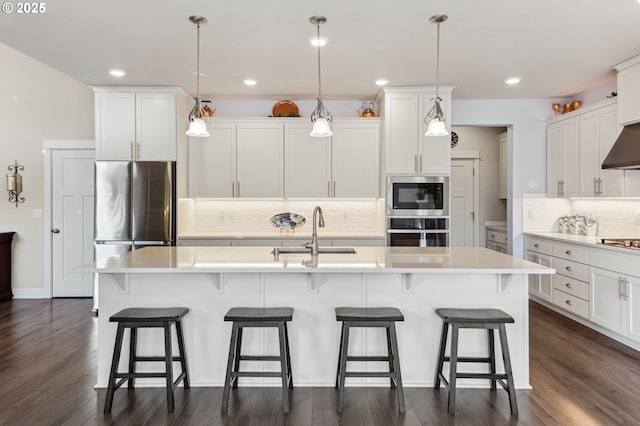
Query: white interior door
point(463, 221)
point(72, 221)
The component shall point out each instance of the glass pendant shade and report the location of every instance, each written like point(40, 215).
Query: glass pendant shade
point(321, 128)
point(197, 128)
point(436, 127)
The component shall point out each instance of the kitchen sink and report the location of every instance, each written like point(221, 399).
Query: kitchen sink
point(303, 250)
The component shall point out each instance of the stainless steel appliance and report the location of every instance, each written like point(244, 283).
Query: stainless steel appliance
point(417, 196)
point(630, 243)
point(418, 211)
point(135, 205)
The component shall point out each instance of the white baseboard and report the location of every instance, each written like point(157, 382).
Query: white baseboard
point(28, 293)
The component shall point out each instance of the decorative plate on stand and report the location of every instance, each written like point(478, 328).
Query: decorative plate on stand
point(287, 220)
point(285, 109)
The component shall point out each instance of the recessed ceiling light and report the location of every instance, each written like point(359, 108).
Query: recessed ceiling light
point(382, 82)
point(315, 41)
point(117, 73)
point(250, 82)
point(513, 80)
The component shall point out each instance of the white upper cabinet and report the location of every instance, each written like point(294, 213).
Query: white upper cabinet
point(628, 89)
point(562, 158)
point(307, 162)
point(136, 125)
point(354, 159)
point(260, 160)
point(408, 151)
point(576, 146)
point(598, 132)
point(212, 163)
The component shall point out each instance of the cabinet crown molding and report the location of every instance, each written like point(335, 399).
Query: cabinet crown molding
point(600, 104)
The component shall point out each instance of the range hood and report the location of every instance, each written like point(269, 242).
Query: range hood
point(625, 152)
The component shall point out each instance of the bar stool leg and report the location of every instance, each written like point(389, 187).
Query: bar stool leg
point(390, 355)
point(168, 356)
point(339, 355)
point(344, 350)
point(507, 368)
point(443, 344)
point(183, 356)
point(453, 366)
point(492, 356)
point(133, 345)
point(283, 366)
point(111, 388)
point(289, 369)
point(396, 366)
point(230, 363)
point(236, 362)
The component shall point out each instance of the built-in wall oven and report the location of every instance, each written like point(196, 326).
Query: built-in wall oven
point(417, 211)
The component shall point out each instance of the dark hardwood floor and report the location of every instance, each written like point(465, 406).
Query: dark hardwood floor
point(48, 367)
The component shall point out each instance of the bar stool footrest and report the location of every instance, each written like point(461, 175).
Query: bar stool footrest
point(369, 374)
point(487, 376)
point(259, 358)
point(155, 358)
point(256, 374)
point(469, 359)
point(368, 358)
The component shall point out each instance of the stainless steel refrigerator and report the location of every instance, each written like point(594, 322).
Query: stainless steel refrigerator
point(135, 205)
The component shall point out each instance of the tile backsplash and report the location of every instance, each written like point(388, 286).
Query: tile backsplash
point(616, 217)
point(220, 215)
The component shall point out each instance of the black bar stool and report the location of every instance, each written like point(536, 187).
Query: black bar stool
point(134, 318)
point(489, 319)
point(370, 317)
point(258, 317)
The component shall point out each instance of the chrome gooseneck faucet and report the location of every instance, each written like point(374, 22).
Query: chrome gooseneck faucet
point(313, 244)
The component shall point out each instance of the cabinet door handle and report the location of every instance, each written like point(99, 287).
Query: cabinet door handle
point(595, 186)
point(132, 151)
point(568, 253)
point(625, 283)
point(599, 186)
point(415, 162)
point(137, 150)
point(568, 285)
point(238, 186)
point(620, 288)
point(334, 189)
point(420, 162)
point(536, 245)
point(569, 302)
point(328, 188)
point(233, 189)
point(569, 268)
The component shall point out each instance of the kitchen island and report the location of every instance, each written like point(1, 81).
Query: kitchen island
point(210, 280)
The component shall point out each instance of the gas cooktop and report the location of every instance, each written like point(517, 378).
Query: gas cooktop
point(630, 243)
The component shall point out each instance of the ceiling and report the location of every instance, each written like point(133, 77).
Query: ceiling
point(558, 48)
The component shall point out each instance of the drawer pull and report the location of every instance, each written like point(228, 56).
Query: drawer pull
point(569, 302)
point(536, 245)
point(568, 253)
point(493, 235)
point(568, 285)
point(569, 268)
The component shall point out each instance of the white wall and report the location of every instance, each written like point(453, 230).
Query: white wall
point(527, 147)
point(36, 103)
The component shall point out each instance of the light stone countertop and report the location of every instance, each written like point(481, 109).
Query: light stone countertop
point(584, 240)
point(428, 260)
point(275, 234)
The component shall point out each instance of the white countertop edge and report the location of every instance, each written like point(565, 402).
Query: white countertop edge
point(279, 236)
point(346, 270)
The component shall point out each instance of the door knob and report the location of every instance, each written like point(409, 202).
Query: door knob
point(55, 231)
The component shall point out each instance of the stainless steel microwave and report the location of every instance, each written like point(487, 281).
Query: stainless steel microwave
point(417, 196)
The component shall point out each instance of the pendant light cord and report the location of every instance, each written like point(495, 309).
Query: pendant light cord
point(198, 72)
point(437, 58)
point(319, 68)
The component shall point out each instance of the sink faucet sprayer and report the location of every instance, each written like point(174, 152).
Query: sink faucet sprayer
point(313, 244)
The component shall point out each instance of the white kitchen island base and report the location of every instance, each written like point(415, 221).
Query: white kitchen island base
point(210, 290)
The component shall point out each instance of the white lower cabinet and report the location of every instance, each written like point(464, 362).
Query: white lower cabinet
point(540, 285)
point(497, 241)
point(597, 284)
point(616, 302)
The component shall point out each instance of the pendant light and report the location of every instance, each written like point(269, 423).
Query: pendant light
point(197, 126)
point(320, 116)
point(435, 118)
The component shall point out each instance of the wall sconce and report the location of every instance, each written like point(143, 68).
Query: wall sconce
point(14, 184)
